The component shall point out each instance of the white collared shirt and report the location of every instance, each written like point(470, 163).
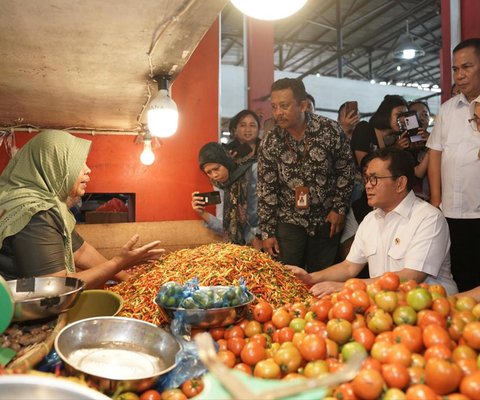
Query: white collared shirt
point(414, 235)
point(459, 143)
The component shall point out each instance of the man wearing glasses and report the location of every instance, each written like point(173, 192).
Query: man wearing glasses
point(454, 164)
point(403, 234)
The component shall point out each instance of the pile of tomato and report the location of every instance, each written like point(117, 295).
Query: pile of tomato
point(418, 342)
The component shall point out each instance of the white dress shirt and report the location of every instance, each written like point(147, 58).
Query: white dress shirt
point(414, 235)
point(459, 143)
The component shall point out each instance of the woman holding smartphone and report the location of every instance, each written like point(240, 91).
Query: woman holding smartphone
point(237, 219)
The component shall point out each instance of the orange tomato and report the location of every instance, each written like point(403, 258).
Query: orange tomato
point(364, 336)
point(281, 318)
point(471, 334)
point(395, 375)
point(470, 386)
point(421, 392)
point(252, 353)
point(368, 384)
point(442, 376)
point(313, 347)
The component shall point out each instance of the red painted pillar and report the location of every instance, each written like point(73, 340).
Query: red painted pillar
point(470, 11)
point(260, 42)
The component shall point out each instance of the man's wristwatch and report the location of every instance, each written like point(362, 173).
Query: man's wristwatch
point(264, 236)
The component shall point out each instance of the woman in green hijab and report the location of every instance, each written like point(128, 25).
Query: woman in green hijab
point(37, 235)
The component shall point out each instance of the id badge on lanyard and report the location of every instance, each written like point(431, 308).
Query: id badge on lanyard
point(302, 197)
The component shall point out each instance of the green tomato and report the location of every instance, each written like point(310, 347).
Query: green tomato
point(297, 324)
point(353, 349)
point(405, 315)
point(419, 299)
point(127, 396)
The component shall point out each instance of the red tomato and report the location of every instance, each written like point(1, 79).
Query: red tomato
point(315, 326)
point(313, 347)
point(252, 353)
point(395, 375)
point(321, 308)
point(298, 310)
point(343, 309)
point(355, 284)
point(364, 336)
point(368, 384)
point(427, 317)
point(269, 328)
point(150, 395)
point(470, 386)
point(217, 333)
point(227, 357)
point(244, 368)
point(410, 336)
point(345, 392)
point(441, 375)
point(281, 318)
point(262, 312)
point(435, 334)
point(192, 387)
point(471, 334)
point(389, 281)
point(234, 331)
point(260, 338)
point(421, 392)
point(438, 351)
point(360, 300)
point(235, 345)
point(285, 334)
point(399, 354)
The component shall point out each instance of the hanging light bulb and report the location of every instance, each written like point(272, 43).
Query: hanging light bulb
point(162, 114)
point(269, 10)
point(406, 48)
point(147, 157)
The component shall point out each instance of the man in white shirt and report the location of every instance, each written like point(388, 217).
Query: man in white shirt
point(403, 234)
point(454, 164)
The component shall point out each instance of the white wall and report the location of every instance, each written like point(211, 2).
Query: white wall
point(329, 93)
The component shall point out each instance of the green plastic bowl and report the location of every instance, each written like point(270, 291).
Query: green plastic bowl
point(95, 303)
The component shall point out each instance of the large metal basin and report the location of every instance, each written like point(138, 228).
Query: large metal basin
point(43, 297)
point(113, 352)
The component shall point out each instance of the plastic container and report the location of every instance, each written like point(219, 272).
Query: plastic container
point(95, 303)
point(7, 305)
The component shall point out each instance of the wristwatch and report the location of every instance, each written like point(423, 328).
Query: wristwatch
point(265, 236)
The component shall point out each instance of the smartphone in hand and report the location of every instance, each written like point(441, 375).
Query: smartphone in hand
point(241, 149)
point(210, 197)
point(351, 106)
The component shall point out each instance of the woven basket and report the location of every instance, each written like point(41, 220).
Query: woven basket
point(39, 350)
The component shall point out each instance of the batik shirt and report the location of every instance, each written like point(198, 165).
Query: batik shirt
point(321, 161)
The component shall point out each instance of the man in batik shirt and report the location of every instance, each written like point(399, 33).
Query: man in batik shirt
point(305, 179)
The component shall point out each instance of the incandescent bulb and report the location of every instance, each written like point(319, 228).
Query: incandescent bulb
point(147, 157)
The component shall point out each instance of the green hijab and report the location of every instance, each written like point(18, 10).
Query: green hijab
point(38, 178)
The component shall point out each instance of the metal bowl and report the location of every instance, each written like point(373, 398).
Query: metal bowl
point(113, 352)
point(212, 317)
point(27, 387)
point(37, 298)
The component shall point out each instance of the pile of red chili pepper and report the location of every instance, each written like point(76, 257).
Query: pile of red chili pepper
point(213, 264)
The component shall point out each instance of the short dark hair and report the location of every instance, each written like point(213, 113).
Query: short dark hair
point(232, 125)
point(471, 42)
point(423, 103)
point(296, 85)
point(401, 162)
point(381, 118)
point(311, 98)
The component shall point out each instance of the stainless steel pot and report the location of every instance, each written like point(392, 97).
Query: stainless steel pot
point(116, 352)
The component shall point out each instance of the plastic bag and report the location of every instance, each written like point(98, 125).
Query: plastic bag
point(113, 205)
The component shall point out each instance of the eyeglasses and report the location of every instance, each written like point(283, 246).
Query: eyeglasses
point(475, 122)
point(373, 179)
